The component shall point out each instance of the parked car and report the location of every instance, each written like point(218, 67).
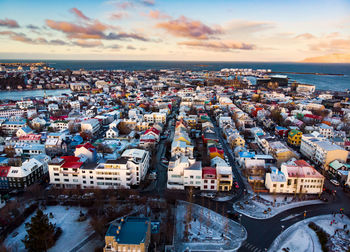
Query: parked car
point(334, 182)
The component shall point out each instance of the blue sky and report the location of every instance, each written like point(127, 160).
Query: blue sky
point(174, 30)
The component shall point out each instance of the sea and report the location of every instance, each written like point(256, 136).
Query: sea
point(333, 82)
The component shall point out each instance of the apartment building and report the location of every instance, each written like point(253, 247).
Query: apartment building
point(295, 177)
point(92, 126)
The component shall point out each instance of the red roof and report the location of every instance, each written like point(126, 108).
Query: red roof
point(70, 158)
point(4, 170)
point(313, 116)
point(87, 146)
point(154, 130)
point(347, 143)
point(74, 165)
point(208, 171)
point(301, 162)
point(30, 137)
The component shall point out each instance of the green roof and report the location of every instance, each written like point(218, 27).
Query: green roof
point(293, 132)
point(336, 165)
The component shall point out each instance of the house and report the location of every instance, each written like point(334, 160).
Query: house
point(224, 174)
point(181, 148)
point(26, 174)
point(112, 133)
point(91, 126)
point(296, 177)
point(131, 234)
point(339, 170)
point(294, 137)
point(87, 150)
point(236, 140)
point(215, 152)
point(24, 131)
point(209, 179)
point(176, 172)
point(281, 152)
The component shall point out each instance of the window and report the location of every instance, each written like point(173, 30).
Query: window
point(56, 174)
point(66, 180)
point(57, 179)
point(274, 185)
point(84, 181)
point(91, 182)
point(211, 187)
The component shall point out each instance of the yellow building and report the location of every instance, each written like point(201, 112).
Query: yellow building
point(281, 152)
point(294, 137)
point(131, 234)
point(236, 140)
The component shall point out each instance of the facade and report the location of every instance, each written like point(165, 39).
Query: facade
point(10, 127)
point(297, 177)
point(27, 174)
point(280, 152)
point(4, 184)
point(87, 150)
point(112, 133)
point(326, 152)
point(224, 174)
point(92, 126)
point(131, 234)
point(294, 137)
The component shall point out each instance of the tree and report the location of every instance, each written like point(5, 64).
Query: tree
point(41, 233)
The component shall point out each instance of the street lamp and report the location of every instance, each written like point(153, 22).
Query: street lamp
point(282, 228)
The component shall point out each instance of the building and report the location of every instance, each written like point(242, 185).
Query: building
point(27, 174)
point(112, 133)
point(91, 126)
point(326, 152)
point(87, 150)
point(326, 130)
point(224, 174)
point(294, 137)
point(296, 177)
point(128, 170)
point(131, 234)
point(281, 152)
point(10, 127)
point(209, 179)
point(155, 117)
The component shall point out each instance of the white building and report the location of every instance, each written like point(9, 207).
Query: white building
point(326, 130)
point(92, 126)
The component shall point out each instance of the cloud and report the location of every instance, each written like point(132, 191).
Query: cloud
point(244, 26)
point(125, 5)
point(334, 44)
point(129, 47)
point(87, 31)
point(184, 27)
point(32, 27)
point(148, 2)
point(124, 35)
point(114, 47)
point(21, 37)
point(118, 15)
point(218, 45)
point(305, 36)
point(79, 14)
point(330, 58)
point(10, 23)
point(87, 44)
point(156, 14)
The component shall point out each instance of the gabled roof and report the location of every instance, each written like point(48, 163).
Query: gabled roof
point(87, 146)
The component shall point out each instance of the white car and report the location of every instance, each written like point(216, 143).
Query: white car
point(334, 182)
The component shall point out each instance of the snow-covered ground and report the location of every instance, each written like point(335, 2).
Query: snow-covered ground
point(255, 207)
point(207, 231)
point(73, 231)
point(299, 237)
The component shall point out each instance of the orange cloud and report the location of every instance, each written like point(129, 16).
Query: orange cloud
point(79, 14)
point(156, 14)
point(184, 27)
point(305, 36)
point(335, 44)
point(88, 31)
point(21, 37)
point(10, 23)
point(219, 45)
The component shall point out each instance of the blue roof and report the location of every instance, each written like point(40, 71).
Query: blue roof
point(281, 128)
point(246, 154)
point(133, 230)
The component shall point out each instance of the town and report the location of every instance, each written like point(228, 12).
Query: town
point(171, 160)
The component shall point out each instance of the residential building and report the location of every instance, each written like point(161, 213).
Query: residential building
point(4, 171)
point(294, 137)
point(91, 126)
point(296, 177)
point(87, 150)
point(326, 152)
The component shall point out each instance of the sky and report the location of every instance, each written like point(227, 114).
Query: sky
point(198, 30)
